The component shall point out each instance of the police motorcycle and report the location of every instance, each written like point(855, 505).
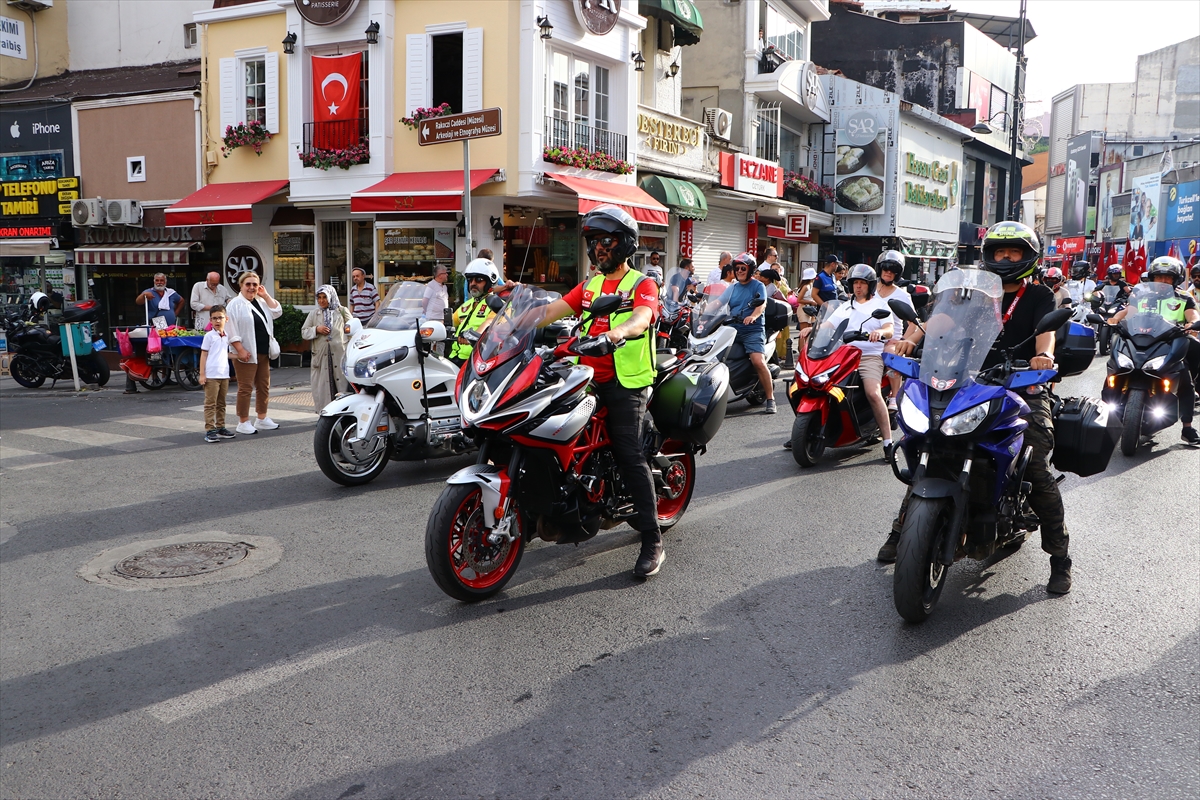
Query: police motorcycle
point(545, 468)
point(36, 346)
point(402, 407)
point(963, 441)
point(713, 339)
point(1147, 356)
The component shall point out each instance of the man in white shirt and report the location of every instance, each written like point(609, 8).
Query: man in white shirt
point(714, 276)
point(437, 297)
point(206, 294)
point(890, 266)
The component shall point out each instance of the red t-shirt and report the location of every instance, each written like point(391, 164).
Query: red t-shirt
point(646, 295)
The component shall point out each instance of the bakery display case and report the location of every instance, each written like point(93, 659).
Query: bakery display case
point(410, 254)
point(295, 275)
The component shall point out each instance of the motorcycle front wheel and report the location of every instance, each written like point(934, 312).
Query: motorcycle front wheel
point(1132, 430)
point(1102, 339)
point(24, 371)
point(461, 560)
point(919, 576)
point(679, 479)
point(807, 443)
point(342, 461)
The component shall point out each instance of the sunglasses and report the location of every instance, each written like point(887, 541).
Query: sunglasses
point(605, 241)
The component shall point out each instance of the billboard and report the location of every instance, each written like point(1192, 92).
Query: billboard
point(1180, 217)
point(1143, 208)
point(928, 192)
point(1110, 185)
point(862, 153)
point(1075, 193)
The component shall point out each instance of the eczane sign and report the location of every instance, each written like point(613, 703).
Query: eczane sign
point(751, 175)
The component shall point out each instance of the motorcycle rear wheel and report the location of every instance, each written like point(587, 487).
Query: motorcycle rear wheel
point(24, 372)
point(680, 478)
point(330, 445)
point(756, 396)
point(807, 444)
point(1135, 406)
point(455, 536)
point(920, 577)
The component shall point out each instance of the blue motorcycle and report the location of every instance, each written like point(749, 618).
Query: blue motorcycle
point(963, 439)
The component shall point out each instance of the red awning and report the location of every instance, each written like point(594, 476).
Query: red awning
point(592, 193)
point(222, 204)
point(417, 191)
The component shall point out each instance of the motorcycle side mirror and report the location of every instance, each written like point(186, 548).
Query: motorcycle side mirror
point(1066, 303)
point(812, 311)
point(1095, 319)
point(472, 336)
point(1052, 321)
point(604, 305)
point(881, 313)
point(758, 301)
point(902, 310)
point(495, 303)
point(1195, 326)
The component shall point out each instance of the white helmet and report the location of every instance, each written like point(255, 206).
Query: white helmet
point(483, 268)
point(40, 302)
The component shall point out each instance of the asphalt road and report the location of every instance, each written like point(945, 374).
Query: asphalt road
point(766, 660)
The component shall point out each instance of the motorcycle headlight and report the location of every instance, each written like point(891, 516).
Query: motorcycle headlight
point(802, 376)
point(703, 349)
point(913, 418)
point(1154, 363)
point(966, 421)
point(823, 378)
point(365, 367)
point(476, 396)
point(1123, 361)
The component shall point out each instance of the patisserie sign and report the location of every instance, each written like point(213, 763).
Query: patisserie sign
point(935, 171)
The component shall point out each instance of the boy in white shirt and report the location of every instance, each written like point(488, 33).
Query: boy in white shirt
point(214, 377)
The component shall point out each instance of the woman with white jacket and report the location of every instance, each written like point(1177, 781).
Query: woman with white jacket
point(251, 328)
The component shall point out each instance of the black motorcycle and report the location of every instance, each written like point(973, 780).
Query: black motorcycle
point(37, 348)
point(1107, 300)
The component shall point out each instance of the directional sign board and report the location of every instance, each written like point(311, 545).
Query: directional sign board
point(459, 127)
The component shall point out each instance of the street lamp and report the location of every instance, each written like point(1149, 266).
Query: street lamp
point(674, 68)
point(639, 63)
point(373, 33)
point(289, 43)
point(547, 30)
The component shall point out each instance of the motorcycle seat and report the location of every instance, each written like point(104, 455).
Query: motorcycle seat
point(665, 360)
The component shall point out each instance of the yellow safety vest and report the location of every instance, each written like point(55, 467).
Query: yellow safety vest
point(635, 361)
point(471, 316)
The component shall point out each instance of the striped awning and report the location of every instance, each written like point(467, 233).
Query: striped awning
point(134, 253)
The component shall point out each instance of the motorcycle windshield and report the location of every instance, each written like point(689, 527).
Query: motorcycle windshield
point(828, 330)
point(401, 310)
point(963, 324)
point(713, 311)
point(1145, 318)
point(513, 327)
point(674, 291)
point(1110, 293)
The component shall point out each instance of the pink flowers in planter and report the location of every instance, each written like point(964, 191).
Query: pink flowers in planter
point(344, 157)
point(248, 134)
point(805, 185)
point(425, 113)
point(586, 159)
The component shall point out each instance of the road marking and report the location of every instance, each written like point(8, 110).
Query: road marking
point(291, 416)
point(169, 423)
point(195, 702)
point(86, 438)
point(14, 458)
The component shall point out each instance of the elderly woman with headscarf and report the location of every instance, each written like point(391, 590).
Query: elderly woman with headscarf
point(328, 326)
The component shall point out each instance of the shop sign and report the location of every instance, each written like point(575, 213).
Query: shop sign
point(751, 175)
point(933, 171)
point(35, 142)
point(416, 244)
point(1075, 194)
point(598, 16)
point(26, 231)
point(1071, 246)
point(242, 258)
point(668, 138)
point(752, 233)
point(38, 198)
point(12, 38)
point(126, 235)
point(796, 225)
point(686, 237)
point(862, 153)
point(1181, 219)
point(325, 12)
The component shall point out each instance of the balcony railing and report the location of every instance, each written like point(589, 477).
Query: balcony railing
point(565, 133)
point(335, 134)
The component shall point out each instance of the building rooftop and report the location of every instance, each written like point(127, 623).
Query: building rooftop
point(115, 82)
point(1002, 30)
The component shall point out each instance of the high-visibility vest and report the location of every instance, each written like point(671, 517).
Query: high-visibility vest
point(634, 362)
point(1171, 309)
point(471, 316)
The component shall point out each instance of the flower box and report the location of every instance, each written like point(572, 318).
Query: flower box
point(586, 159)
point(343, 157)
point(253, 134)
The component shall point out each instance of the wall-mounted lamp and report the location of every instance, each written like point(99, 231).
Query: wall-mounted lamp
point(373, 33)
point(289, 43)
point(461, 227)
point(639, 63)
point(547, 30)
point(674, 68)
point(497, 228)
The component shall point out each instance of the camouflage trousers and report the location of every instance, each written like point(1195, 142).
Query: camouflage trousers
point(1044, 497)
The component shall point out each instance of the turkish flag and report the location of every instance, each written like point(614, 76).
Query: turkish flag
point(335, 99)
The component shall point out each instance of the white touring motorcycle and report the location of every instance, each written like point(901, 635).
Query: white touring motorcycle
point(403, 404)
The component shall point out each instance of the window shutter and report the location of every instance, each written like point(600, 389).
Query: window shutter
point(473, 69)
point(272, 77)
point(229, 69)
point(416, 80)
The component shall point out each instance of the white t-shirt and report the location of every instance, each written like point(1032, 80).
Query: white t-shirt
point(714, 276)
point(436, 300)
point(903, 296)
point(217, 347)
point(860, 315)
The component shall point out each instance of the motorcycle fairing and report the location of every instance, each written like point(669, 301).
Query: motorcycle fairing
point(493, 485)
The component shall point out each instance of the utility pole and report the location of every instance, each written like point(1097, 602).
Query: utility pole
point(1014, 165)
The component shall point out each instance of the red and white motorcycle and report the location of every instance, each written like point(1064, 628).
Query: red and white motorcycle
point(545, 467)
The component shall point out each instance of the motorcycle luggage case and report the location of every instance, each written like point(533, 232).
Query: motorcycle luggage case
point(690, 406)
point(1085, 433)
point(1074, 348)
point(776, 315)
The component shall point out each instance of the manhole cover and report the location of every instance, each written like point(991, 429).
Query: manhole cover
point(183, 560)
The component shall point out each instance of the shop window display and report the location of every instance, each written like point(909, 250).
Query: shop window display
point(410, 254)
point(295, 277)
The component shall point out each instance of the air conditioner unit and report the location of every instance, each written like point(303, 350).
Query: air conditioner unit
point(719, 123)
point(32, 5)
point(87, 212)
point(123, 212)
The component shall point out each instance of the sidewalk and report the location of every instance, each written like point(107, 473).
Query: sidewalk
point(290, 385)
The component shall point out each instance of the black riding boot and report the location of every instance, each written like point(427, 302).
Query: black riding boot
point(1060, 575)
point(652, 555)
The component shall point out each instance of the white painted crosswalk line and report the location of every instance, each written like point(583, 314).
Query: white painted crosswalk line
point(87, 438)
point(15, 458)
point(187, 424)
point(287, 415)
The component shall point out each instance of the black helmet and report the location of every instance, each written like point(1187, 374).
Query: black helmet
point(863, 272)
point(890, 260)
point(748, 261)
point(1166, 265)
point(1080, 270)
point(1114, 271)
point(1011, 234)
point(615, 221)
point(1195, 272)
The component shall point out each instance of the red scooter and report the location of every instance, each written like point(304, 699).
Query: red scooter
point(831, 407)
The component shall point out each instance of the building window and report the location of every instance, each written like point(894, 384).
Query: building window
point(255, 83)
point(600, 110)
point(766, 138)
point(250, 88)
point(582, 78)
point(970, 166)
point(447, 71)
point(791, 150)
point(189, 35)
point(785, 35)
point(578, 102)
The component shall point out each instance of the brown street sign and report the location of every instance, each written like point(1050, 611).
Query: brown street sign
point(459, 127)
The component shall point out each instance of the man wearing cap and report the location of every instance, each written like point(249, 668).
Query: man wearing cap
point(826, 284)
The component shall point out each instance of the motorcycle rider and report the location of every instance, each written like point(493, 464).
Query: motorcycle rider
point(1081, 285)
point(890, 268)
point(1112, 277)
point(623, 378)
point(1011, 250)
point(482, 276)
point(751, 331)
point(1180, 310)
point(1194, 287)
point(1053, 280)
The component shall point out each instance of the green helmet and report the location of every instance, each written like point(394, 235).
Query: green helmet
point(1011, 234)
point(1166, 265)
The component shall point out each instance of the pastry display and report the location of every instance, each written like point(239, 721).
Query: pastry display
point(850, 159)
point(861, 194)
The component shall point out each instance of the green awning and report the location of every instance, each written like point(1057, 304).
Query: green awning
point(681, 197)
point(682, 13)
